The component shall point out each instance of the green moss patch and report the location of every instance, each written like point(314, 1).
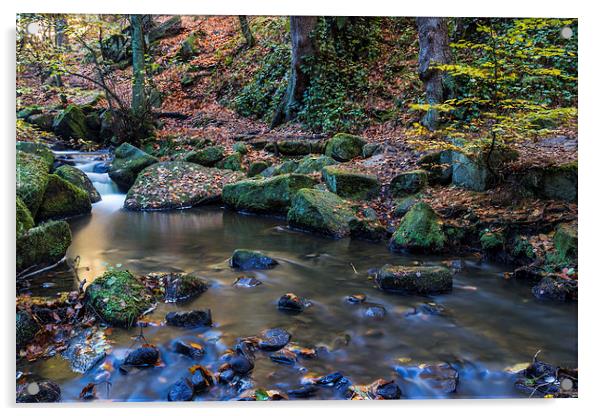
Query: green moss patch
point(43, 245)
point(63, 199)
point(129, 161)
point(344, 147)
point(420, 230)
point(24, 218)
point(78, 178)
point(32, 178)
point(39, 150)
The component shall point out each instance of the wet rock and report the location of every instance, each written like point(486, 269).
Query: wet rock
point(208, 156)
point(302, 352)
point(329, 379)
point(181, 391)
point(118, 298)
point(387, 390)
point(358, 298)
point(408, 183)
point(421, 280)
point(43, 245)
point(344, 147)
point(39, 391)
point(78, 178)
point(303, 391)
point(32, 178)
point(552, 289)
point(86, 350)
point(348, 184)
point(439, 378)
point(251, 260)
point(189, 319)
point(241, 363)
point(311, 164)
point(201, 379)
point(291, 302)
point(430, 308)
point(322, 212)
point(27, 328)
point(273, 339)
point(375, 312)
point(145, 356)
point(538, 379)
point(101, 167)
point(419, 231)
point(181, 287)
point(265, 195)
point(177, 185)
point(62, 200)
point(192, 350)
point(129, 161)
point(284, 356)
point(40, 150)
point(246, 281)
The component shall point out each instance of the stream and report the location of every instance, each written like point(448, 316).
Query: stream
point(488, 323)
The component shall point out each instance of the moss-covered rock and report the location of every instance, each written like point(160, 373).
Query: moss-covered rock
point(553, 182)
point(231, 162)
point(407, 183)
point(32, 178)
point(78, 178)
point(438, 166)
point(344, 147)
point(255, 168)
point(176, 287)
point(63, 199)
point(129, 161)
point(177, 185)
point(43, 121)
point(188, 48)
point(251, 260)
point(208, 156)
point(492, 240)
point(290, 147)
point(43, 245)
point(566, 242)
point(471, 170)
point(422, 280)
point(38, 149)
point(269, 195)
point(288, 166)
point(403, 205)
point(322, 212)
point(350, 184)
point(366, 226)
point(24, 218)
point(311, 164)
point(118, 297)
point(420, 230)
point(27, 328)
point(241, 148)
point(71, 123)
point(28, 111)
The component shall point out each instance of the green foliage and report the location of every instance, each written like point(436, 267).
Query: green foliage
point(518, 76)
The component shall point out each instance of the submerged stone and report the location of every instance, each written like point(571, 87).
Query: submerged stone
point(78, 178)
point(39, 391)
point(269, 195)
point(118, 297)
point(192, 350)
point(86, 350)
point(43, 245)
point(177, 185)
point(419, 230)
point(552, 289)
point(439, 378)
point(189, 319)
point(273, 339)
point(247, 281)
point(181, 391)
point(291, 302)
point(348, 184)
point(129, 161)
point(421, 280)
point(62, 200)
point(145, 356)
point(251, 260)
point(344, 147)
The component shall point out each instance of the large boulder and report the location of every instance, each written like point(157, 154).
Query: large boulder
point(420, 280)
point(265, 195)
point(32, 178)
point(62, 200)
point(71, 123)
point(176, 185)
point(118, 297)
point(43, 245)
point(311, 164)
point(408, 183)
point(290, 147)
point(78, 178)
point(552, 182)
point(344, 147)
point(231, 162)
point(348, 184)
point(23, 217)
point(471, 168)
point(208, 156)
point(129, 161)
point(38, 149)
point(420, 230)
point(438, 166)
point(322, 212)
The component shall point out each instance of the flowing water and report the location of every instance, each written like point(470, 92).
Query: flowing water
point(488, 324)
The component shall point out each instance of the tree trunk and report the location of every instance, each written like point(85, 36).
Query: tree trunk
point(246, 31)
point(60, 24)
point(138, 93)
point(302, 47)
point(433, 41)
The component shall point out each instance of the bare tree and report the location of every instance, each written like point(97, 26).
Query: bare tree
point(433, 40)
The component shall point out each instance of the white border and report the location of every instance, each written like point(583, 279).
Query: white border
point(590, 156)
